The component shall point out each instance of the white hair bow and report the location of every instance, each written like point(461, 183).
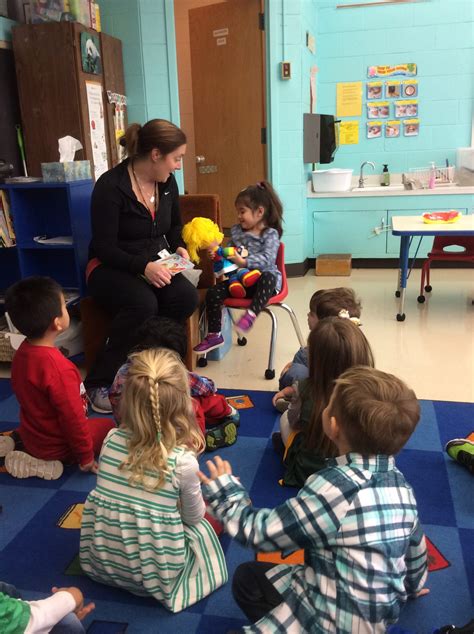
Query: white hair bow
point(344, 314)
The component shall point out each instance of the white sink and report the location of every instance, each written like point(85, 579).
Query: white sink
point(378, 188)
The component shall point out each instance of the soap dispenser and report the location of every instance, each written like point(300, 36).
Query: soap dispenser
point(385, 180)
point(432, 177)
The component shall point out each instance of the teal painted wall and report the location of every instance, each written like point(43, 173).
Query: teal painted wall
point(5, 29)
point(146, 28)
point(287, 23)
point(438, 36)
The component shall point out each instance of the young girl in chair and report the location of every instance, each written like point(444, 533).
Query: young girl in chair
point(259, 229)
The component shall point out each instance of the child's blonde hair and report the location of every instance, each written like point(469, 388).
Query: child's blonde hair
point(200, 233)
point(157, 409)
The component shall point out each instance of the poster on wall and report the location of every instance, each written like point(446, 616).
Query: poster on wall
point(374, 129)
point(90, 55)
point(411, 127)
point(392, 129)
point(349, 99)
point(373, 90)
point(348, 132)
point(393, 89)
point(97, 127)
point(409, 88)
point(409, 70)
point(378, 110)
point(406, 108)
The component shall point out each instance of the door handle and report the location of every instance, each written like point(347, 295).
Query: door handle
point(200, 159)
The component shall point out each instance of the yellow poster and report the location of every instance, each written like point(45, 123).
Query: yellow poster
point(349, 99)
point(348, 132)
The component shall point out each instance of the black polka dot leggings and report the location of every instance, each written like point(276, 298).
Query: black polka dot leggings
point(260, 293)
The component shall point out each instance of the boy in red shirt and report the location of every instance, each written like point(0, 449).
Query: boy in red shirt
point(54, 427)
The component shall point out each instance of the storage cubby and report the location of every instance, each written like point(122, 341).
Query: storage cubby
point(51, 210)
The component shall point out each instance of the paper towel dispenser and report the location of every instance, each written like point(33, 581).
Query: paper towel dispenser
point(319, 138)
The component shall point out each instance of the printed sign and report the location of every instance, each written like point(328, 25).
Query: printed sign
point(386, 71)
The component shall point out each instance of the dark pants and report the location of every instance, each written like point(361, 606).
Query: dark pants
point(260, 293)
point(131, 300)
point(252, 591)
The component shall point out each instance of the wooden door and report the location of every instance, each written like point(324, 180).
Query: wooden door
point(227, 61)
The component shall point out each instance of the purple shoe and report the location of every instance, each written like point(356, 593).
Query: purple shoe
point(245, 323)
point(211, 342)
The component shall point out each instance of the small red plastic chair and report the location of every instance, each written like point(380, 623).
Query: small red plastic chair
point(438, 253)
point(276, 301)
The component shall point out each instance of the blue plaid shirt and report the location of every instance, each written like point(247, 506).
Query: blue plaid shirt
point(365, 551)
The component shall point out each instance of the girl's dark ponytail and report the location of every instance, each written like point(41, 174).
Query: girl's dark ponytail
point(263, 195)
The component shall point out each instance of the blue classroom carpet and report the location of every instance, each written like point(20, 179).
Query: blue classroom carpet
point(37, 553)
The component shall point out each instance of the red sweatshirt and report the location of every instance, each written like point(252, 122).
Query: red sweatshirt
point(53, 423)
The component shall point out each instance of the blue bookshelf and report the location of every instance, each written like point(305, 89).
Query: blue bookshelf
point(48, 209)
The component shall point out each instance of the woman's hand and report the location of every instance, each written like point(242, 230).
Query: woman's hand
point(221, 467)
point(183, 253)
point(158, 275)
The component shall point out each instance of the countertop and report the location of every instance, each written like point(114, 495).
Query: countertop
point(453, 190)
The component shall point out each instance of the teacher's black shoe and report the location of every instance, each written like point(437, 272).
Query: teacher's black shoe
point(99, 400)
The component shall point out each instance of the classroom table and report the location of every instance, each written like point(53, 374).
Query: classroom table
point(409, 226)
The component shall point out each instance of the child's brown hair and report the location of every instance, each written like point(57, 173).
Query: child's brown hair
point(263, 195)
point(377, 411)
point(334, 345)
point(328, 302)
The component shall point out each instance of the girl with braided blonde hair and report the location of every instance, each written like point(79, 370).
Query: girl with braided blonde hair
point(143, 526)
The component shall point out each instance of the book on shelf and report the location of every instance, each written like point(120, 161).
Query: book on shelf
point(7, 233)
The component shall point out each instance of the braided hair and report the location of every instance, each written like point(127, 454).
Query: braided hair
point(158, 414)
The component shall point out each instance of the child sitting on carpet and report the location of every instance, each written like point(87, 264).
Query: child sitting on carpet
point(323, 303)
point(259, 212)
point(217, 419)
point(143, 526)
point(335, 345)
point(60, 613)
point(54, 427)
point(356, 520)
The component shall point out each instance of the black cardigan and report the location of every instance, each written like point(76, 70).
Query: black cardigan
point(124, 235)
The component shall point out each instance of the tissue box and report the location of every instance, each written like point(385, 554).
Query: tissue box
point(65, 172)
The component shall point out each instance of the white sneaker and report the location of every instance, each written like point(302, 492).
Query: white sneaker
point(99, 400)
point(7, 444)
point(21, 465)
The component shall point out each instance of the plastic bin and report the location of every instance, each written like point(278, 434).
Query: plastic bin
point(332, 180)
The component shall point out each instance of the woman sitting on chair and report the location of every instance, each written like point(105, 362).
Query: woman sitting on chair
point(135, 218)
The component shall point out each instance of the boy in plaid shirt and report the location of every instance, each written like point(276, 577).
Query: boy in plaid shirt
point(356, 520)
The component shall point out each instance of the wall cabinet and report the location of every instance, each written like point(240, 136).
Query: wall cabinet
point(341, 232)
point(52, 87)
point(51, 210)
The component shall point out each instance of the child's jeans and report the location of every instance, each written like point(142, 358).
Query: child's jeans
point(296, 372)
point(70, 624)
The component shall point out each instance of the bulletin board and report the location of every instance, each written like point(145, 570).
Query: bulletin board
point(390, 101)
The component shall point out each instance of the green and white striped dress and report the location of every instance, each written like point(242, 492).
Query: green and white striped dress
point(135, 539)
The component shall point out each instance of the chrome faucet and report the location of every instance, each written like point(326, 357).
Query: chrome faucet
point(361, 178)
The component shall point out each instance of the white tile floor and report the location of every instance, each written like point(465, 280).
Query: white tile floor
point(433, 350)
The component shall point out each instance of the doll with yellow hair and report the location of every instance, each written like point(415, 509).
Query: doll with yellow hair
point(203, 233)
